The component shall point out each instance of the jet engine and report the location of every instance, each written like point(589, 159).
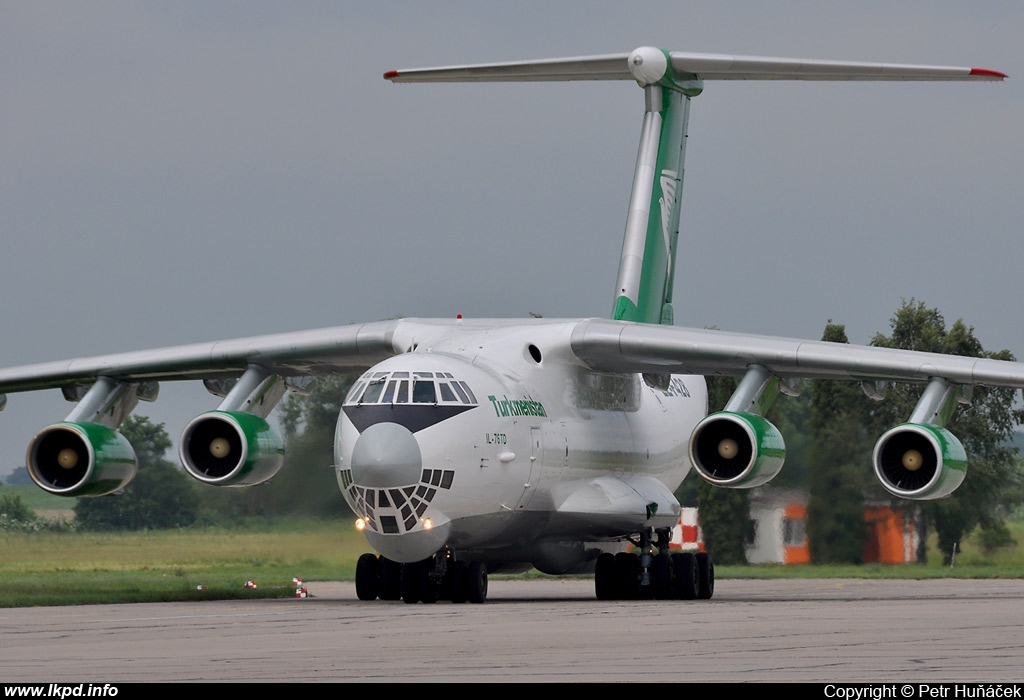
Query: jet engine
point(737, 450)
point(231, 448)
point(80, 459)
point(919, 461)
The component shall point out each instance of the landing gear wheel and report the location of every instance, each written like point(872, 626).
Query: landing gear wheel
point(430, 590)
point(605, 581)
point(411, 581)
point(459, 584)
point(628, 571)
point(661, 576)
point(367, 577)
point(477, 588)
point(390, 579)
point(705, 576)
point(685, 575)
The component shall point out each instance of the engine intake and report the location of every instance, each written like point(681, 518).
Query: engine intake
point(737, 450)
point(231, 448)
point(80, 459)
point(919, 461)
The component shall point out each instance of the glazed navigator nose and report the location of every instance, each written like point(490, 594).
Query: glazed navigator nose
point(386, 455)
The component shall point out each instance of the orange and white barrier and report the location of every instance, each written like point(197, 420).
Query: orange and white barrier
point(686, 535)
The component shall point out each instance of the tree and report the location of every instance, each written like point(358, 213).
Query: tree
point(19, 477)
point(724, 522)
point(837, 479)
point(14, 510)
point(984, 426)
point(159, 497)
point(306, 484)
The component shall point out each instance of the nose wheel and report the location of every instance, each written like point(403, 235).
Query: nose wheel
point(440, 577)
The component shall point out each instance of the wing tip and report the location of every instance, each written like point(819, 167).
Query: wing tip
point(987, 73)
point(391, 75)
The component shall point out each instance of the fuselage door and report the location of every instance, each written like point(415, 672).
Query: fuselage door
point(536, 467)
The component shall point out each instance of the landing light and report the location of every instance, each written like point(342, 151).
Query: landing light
point(427, 523)
point(360, 524)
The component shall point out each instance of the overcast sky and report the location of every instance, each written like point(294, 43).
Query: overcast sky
point(175, 172)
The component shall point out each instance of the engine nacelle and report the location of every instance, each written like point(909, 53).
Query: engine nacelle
point(80, 459)
point(737, 450)
point(231, 448)
point(919, 461)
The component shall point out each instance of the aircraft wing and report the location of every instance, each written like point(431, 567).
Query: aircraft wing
point(234, 446)
point(634, 347)
point(322, 351)
point(738, 448)
point(603, 345)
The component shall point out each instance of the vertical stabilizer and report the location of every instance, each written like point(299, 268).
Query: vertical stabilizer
point(646, 268)
point(669, 80)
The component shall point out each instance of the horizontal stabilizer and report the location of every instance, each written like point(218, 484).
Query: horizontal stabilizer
point(649, 65)
point(606, 67)
point(721, 67)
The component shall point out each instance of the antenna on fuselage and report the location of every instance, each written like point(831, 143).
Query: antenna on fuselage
point(669, 79)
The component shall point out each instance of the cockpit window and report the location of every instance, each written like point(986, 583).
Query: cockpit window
point(423, 391)
point(461, 392)
point(472, 397)
point(446, 392)
point(356, 389)
point(373, 390)
point(411, 387)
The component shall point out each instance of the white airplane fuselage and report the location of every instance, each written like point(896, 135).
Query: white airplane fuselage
point(499, 444)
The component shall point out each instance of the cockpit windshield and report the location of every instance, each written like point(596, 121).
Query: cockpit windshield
point(411, 387)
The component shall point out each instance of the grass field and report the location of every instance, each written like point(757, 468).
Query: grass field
point(73, 568)
point(46, 504)
point(47, 568)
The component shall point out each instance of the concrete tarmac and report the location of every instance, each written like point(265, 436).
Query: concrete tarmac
point(830, 631)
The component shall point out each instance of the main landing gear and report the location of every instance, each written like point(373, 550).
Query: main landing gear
point(654, 572)
point(441, 577)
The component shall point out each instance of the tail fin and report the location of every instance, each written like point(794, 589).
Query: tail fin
point(669, 80)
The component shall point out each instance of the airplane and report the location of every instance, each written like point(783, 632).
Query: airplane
point(475, 446)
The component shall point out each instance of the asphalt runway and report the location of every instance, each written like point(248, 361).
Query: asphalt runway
point(550, 630)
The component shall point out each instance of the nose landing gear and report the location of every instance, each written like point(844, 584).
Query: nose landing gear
point(441, 577)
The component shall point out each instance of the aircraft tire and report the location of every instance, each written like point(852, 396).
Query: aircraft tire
point(605, 581)
point(390, 579)
point(459, 584)
point(477, 580)
point(411, 582)
point(705, 576)
point(685, 575)
point(661, 576)
point(367, 577)
point(627, 568)
point(430, 590)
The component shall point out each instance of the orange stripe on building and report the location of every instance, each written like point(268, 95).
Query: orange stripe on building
point(797, 550)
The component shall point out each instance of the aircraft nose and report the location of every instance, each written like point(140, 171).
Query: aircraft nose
point(386, 455)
